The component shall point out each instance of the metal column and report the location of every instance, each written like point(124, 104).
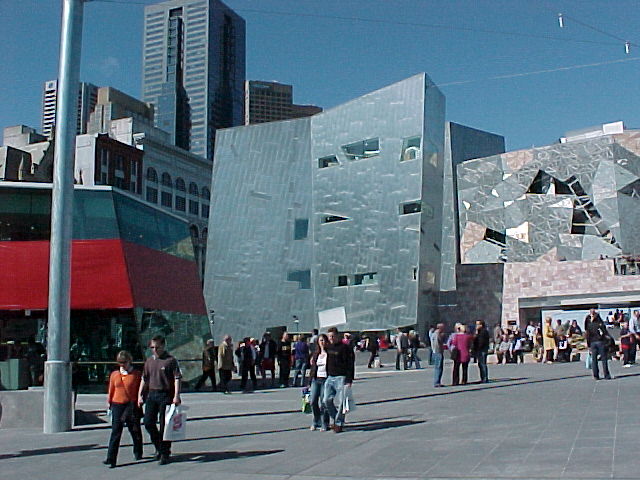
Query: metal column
point(57, 387)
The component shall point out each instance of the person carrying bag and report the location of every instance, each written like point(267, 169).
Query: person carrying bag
point(123, 389)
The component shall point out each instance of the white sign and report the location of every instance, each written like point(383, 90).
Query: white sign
point(332, 317)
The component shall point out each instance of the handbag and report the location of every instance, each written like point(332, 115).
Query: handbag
point(175, 424)
point(454, 354)
point(306, 404)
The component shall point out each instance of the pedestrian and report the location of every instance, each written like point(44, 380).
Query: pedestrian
point(318, 377)
point(402, 348)
point(160, 383)
point(437, 349)
point(504, 350)
point(208, 366)
point(548, 340)
point(428, 345)
point(634, 328)
point(462, 343)
point(627, 342)
point(518, 350)
point(313, 342)
point(481, 349)
point(371, 345)
point(284, 359)
point(301, 360)
point(340, 373)
point(226, 367)
point(267, 362)
point(246, 355)
point(124, 385)
point(414, 345)
point(597, 339)
point(574, 328)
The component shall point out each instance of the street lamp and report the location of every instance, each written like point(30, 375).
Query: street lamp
point(212, 321)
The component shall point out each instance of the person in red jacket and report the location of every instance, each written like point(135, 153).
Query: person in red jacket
point(122, 399)
point(461, 343)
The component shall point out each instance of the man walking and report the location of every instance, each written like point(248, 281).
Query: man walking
point(437, 353)
point(481, 349)
point(597, 337)
point(161, 378)
point(340, 373)
point(208, 366)
point(226, 367)
point(402, 347)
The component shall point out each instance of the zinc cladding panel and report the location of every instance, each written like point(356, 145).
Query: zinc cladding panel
point(261, 184)
point(376, 238)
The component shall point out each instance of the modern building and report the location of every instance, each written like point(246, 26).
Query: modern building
point(272, 101)
point(551, 228)
point(25, 155)
point(87, 97)
point(194, 70)
point(336, 218)
point(133, 275)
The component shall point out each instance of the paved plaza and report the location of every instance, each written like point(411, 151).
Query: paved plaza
point(531, 421)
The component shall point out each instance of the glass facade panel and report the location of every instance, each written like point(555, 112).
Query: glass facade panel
point(301, 229)
point(94, 215)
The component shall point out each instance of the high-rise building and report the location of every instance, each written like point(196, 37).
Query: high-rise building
point(87, 97)
point(194, 70)
point(272, 101)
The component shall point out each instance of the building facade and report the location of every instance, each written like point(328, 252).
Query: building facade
point(272, 101)
point(87, 98)
point(194, 70)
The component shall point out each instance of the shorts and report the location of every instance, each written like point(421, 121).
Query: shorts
point(268, 364)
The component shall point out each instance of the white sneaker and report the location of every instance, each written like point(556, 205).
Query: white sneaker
point(628, 365)
point(313, 428)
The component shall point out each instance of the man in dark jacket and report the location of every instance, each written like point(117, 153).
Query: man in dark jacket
point(266, 359)
point(481, 349)
point(340, 373)
point(598, 338)
point(208, 366)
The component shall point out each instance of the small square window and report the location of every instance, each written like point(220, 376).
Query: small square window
point(410, 207)
point(301, 229)
point(330, 161)
point(342, 281)
point(411, 149)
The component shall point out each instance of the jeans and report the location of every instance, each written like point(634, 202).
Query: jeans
point(132, 420)
point(456, 372)
point(482, 366)
point(333, 392)
point(438, 360)
point(320, 413)
point(155, 407)
point(300, 366)
point(599, 349)
point(414, 358)
point(401, 353)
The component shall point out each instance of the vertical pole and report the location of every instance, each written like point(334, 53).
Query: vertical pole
point(57, 388)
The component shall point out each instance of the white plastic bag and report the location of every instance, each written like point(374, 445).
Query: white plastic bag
point(587, 361)
point(348, 403)
point(175, 424)
point(376, 362)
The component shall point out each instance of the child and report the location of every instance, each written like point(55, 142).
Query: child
point(564, 349)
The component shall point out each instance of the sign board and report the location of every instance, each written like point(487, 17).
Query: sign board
point(332, 317)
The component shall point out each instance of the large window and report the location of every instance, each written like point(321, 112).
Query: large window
point(194, 207)
point(152, 175)
point(363, 149)
point(166, 180)
point(301, 228)
point(152, 195)
point(193, 189)
point(180, 185)
point(166, 199)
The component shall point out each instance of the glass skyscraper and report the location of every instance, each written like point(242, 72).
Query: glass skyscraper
point(194, 70)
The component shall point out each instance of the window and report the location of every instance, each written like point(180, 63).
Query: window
point(499, 238)
point(167, 199)
point(205, 193)
point(342, 281)
point(330, 161)
point(166, 180)
point(301, 228)
point(364, 149)
point(180, 185)
point(410, 148)
point(152, 175)
point(152, 195)
point(205, 211)
point(303, 277)
point(333, 218)
point(181, 203)
point(410, 207)
point(368, 278)
point(193, 189)
point(194, 207)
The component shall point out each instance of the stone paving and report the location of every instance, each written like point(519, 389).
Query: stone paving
point(531, 421)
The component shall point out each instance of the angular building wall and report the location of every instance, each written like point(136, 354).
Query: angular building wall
point(332, 211)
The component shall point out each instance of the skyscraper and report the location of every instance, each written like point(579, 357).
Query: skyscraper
point(272, 101)
point(194, 70)
point(87, 97)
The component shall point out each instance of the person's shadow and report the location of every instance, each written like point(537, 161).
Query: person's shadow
point(215, 456)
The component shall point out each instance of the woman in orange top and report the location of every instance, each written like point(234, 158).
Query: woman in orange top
point(123, 394)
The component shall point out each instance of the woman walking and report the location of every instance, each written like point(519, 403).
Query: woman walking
point(318, 375)
point(461, 342)
point(548, 340)
point(124, 384)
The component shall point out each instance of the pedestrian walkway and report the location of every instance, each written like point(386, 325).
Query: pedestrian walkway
point(531, 421)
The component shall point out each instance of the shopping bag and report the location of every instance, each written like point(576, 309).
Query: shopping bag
point(587, 361)
point(348, 403)
point(306, 404)
point(175, 424)
point(376, 362)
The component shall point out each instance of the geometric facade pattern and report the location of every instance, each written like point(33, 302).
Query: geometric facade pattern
point(571, 201)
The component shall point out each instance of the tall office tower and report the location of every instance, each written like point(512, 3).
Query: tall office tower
point(271, 101)
point(194, 70)
point(87, 97)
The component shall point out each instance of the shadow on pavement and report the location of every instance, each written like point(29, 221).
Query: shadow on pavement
point(246, 434)
point(52, 450)
point(215, 456)
point(372, 426)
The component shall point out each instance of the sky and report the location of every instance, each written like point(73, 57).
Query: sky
point(505, 66)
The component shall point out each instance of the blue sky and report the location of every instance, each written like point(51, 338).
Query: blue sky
point(374, 43)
